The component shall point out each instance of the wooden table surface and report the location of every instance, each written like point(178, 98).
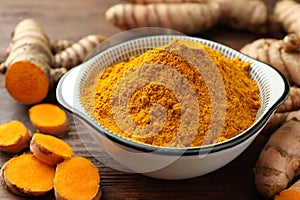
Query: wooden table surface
point(72, 19)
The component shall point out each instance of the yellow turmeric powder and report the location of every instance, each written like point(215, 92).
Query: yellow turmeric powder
point(165, 79)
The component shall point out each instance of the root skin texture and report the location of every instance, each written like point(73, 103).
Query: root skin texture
point(279, 160)
point(190, 16)
point(77, 52)
point(183, 17)
point(287, 13)
point(272, 51)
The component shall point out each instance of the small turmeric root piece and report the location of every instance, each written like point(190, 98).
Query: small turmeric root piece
point(60, 45)
point(292, 193)
point(272, 51)
point(27, 176)
point(49, 118)
point(287, 13)
point(189, 18)
point(14, 137)
point(291, 43)
point(292, 102)
point(50, 149)
point(279, 160)
point(278, 119)
point(77, 178)
point(28, 75)
point(76, 53)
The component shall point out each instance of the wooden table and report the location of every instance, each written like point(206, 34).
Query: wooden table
point(72, 19)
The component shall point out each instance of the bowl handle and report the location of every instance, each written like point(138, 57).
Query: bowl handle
point(66, 89)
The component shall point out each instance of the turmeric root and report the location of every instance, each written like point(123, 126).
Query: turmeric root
point(291, 43)
point(60, 45)
point(292, 193)
point(292, 102)
point(50, 149)
point(14, 137)
point(28, 176)
point(77, 178)
point(76, 53)
point(244, 14)
point(164, 1)
point(28, 76)
point(287, 13)
point(272, 51)
point(49, 118)
point(288, 110)
point(279, 160)
point(278, 119)
point(189, 18)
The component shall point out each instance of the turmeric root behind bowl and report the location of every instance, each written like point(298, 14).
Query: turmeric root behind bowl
point(156, 161)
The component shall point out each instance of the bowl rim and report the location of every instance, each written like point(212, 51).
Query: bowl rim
point(175, 151)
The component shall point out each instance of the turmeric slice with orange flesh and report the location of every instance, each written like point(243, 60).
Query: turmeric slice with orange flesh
point(50, 149)
point(77, 178)
point(14, 137)
point(291, 193)
point(27, 176)
point(26, 82)
point(49, 118)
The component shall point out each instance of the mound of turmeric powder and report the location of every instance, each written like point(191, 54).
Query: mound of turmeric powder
point(161, 78)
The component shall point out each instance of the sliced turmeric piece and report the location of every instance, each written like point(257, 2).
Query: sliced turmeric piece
point(50, 149)
point(77, 178)
point(27, 176)
point(291, 193)
point(26, 82)
point(14, 137)
point(49, 118)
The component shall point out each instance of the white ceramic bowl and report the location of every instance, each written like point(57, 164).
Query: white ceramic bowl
point(167, 162)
